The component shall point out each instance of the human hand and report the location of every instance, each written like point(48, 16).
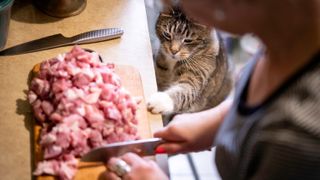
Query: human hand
point(193, 131)
point(140, 169)
point(185, 133)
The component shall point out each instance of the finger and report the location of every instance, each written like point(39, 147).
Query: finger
point(112, 164)
point(112, 161)
point(118, 166)
point(111, 176)
point(160, 134)
point(132, 159)
point(170, 148)
point(167, 133)
point(152, 163)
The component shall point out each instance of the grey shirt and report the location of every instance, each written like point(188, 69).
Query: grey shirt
point(280, 138)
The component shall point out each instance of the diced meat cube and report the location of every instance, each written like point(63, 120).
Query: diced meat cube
point(47, 107)
point(92, 98)
point(38, 112)
point(95, 138)
point(40, 87)
point(93, 115)
point(32, 97)
point(61, 85)
point(55, 117)
point(74, 121)
point(48, 139)
point(81, 79)
point(47, 167)
point(52, 151)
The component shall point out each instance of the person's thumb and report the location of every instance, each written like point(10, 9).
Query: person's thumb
point(169, 133)
point(162, 133)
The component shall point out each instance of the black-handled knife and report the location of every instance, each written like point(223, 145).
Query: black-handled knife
point(59, 40)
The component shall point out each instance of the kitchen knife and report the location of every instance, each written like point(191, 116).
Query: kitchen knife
point(144, 147)
point(59, 40)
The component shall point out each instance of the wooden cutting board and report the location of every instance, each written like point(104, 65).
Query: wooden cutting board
point(131, 80)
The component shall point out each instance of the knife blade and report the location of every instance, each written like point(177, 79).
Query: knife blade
point(59, 40)
point(144, 147)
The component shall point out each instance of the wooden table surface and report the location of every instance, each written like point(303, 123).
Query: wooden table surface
point(28, 23)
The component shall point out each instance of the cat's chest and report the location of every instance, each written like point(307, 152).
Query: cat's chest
point(166, 64)
point(170, 63)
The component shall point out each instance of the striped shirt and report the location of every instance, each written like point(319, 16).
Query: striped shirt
point(280, 138)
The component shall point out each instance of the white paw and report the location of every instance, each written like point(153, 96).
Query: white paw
point(160, 103)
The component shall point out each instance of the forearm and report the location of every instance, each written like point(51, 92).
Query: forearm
point(212, 119)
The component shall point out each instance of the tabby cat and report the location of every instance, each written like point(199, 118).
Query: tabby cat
point(191, 66)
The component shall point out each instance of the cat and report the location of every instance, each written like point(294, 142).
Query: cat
point(191, 66)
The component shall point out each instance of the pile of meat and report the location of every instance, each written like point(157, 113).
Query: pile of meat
point(80, 104)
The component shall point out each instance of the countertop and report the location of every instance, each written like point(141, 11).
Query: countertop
point(28, 23)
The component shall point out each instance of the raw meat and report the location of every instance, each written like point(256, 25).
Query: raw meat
point(80, 104)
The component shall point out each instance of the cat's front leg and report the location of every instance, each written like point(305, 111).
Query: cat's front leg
point(160, 103)
point(178, 98)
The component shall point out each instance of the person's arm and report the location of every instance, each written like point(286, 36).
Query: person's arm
point(193, 131)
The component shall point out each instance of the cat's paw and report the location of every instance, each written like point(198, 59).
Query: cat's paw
point(160, 103)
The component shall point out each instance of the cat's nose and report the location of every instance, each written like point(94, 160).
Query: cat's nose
point(174, 51)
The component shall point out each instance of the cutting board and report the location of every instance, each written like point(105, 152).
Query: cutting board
point(131, 80)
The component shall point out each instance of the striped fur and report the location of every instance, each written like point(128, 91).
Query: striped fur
point(191, 66)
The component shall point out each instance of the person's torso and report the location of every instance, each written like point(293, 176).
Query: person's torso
point(238, 151)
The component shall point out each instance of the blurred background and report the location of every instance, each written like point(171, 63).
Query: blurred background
point(201, 165)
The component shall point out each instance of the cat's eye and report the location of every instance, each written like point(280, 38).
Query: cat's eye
point(166, 35)
point(188, 41)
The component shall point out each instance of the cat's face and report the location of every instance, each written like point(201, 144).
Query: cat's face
point(181, 38)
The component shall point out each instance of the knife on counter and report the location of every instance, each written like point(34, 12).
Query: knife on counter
point(58, 40)
point(144, 147)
